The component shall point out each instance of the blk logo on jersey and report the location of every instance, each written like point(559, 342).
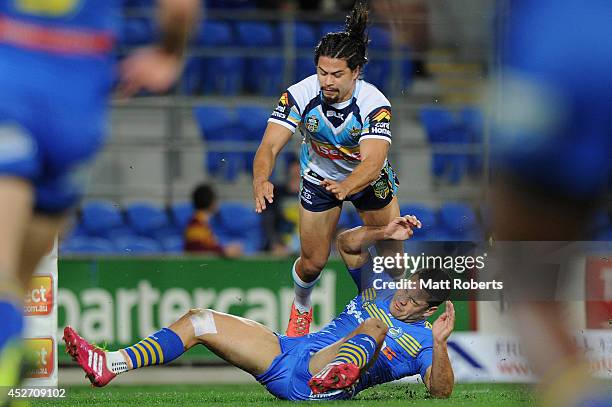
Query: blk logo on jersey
point(333, 113)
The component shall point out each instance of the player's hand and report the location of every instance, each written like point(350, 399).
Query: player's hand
point(339, 190)
point(444, 325)
point(401, 228)
point(149, 69)
point(262, 191)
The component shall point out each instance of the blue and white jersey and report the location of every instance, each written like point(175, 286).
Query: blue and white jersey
point(332, 132)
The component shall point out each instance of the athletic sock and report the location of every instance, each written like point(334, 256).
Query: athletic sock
point(302, 290)
point(158, 349)
point(11, 315)
point(358, 350)
point(11, 351)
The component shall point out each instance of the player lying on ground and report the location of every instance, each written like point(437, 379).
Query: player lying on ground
point(345, 122)
point(380, 336)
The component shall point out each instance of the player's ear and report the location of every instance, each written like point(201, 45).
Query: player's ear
point(430, 311)
point(356, 73)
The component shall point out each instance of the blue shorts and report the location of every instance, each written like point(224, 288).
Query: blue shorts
point(377, 195)
point(288, 375)
point(52, 122)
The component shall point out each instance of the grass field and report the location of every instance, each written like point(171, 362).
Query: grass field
point(468, 395)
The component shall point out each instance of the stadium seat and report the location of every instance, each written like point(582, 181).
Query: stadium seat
point(380, 38)
point(441, 127)
point(99, 217)
point(219, 124)
point(265, 74)
point(222, 74)
point(173, 244)
point(146, 218)
point(254, 120)
point(458, 219)
point(237, 222)
point(180, 214)
point(305, 35)
point(473, 121)
point(82, 245)
point(137, 245)
point(192, 79)
point(423, 213)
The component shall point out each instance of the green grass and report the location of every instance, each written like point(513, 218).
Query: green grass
point(468, 395)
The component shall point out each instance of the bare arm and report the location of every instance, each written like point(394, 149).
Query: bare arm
point(351, 243)
point(373, 155)
point(176, 20)
point(274, 139)
point(157, 67)
point(440, 378)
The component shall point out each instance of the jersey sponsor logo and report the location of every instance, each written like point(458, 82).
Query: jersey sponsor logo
point(388, 352)
point(334, 152)
point(382, 115)
point(355, 132)
point(306, 195)
point(381, 128)
point(312, 124)
point(333, 113)
point(39, 296)
point(40, 353)
point(395, 332)
point(278, 114)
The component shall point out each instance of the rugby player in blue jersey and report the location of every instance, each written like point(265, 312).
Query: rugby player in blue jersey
point(382, 335)
point(346, 126)
point(56, 72)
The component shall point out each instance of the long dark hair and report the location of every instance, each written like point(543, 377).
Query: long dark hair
point(350, 44)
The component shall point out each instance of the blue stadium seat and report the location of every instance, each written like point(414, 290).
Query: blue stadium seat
point(380, 38)
point(423, 213)
point(305, 35)
point(442, 127)
point(304, 67)
point(192, 79)
point(231, 4)
point(146, 218)
point(265, 74)
point(349, 218)
point(99, 217)
point(473, 121)
point(180, 214)
point(138, 245)
point(83, 245)
point(223, 74)
point(237, 222)
point(378, 72)
point(458, 219)
point(254, 120)
point(173, 244)
point(219, 124)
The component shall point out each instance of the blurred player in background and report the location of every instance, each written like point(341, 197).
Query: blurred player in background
point(552, 152)
point(345, 122)
point(56, 72)
point(382, 335)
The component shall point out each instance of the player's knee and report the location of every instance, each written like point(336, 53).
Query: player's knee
point(374, 327)
point(202, 320)
point(312, 265)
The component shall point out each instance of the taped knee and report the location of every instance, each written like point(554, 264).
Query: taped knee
point(203, 321)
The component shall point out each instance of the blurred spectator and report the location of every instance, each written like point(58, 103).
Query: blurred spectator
point(280, 220)
point(199, 236)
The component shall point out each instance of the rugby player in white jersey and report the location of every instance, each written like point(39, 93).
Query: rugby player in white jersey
point(345, 123)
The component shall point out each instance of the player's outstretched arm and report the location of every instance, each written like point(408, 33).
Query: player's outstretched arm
point(373, 155)
point(351, 243)
point(439, 378)
point(274, 139)
point(156, 68)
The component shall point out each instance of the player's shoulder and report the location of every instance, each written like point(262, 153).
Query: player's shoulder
point(369, 98)
point(305, 89)
point(421, 331)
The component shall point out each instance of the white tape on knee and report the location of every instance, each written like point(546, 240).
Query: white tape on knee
point(203, 322)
